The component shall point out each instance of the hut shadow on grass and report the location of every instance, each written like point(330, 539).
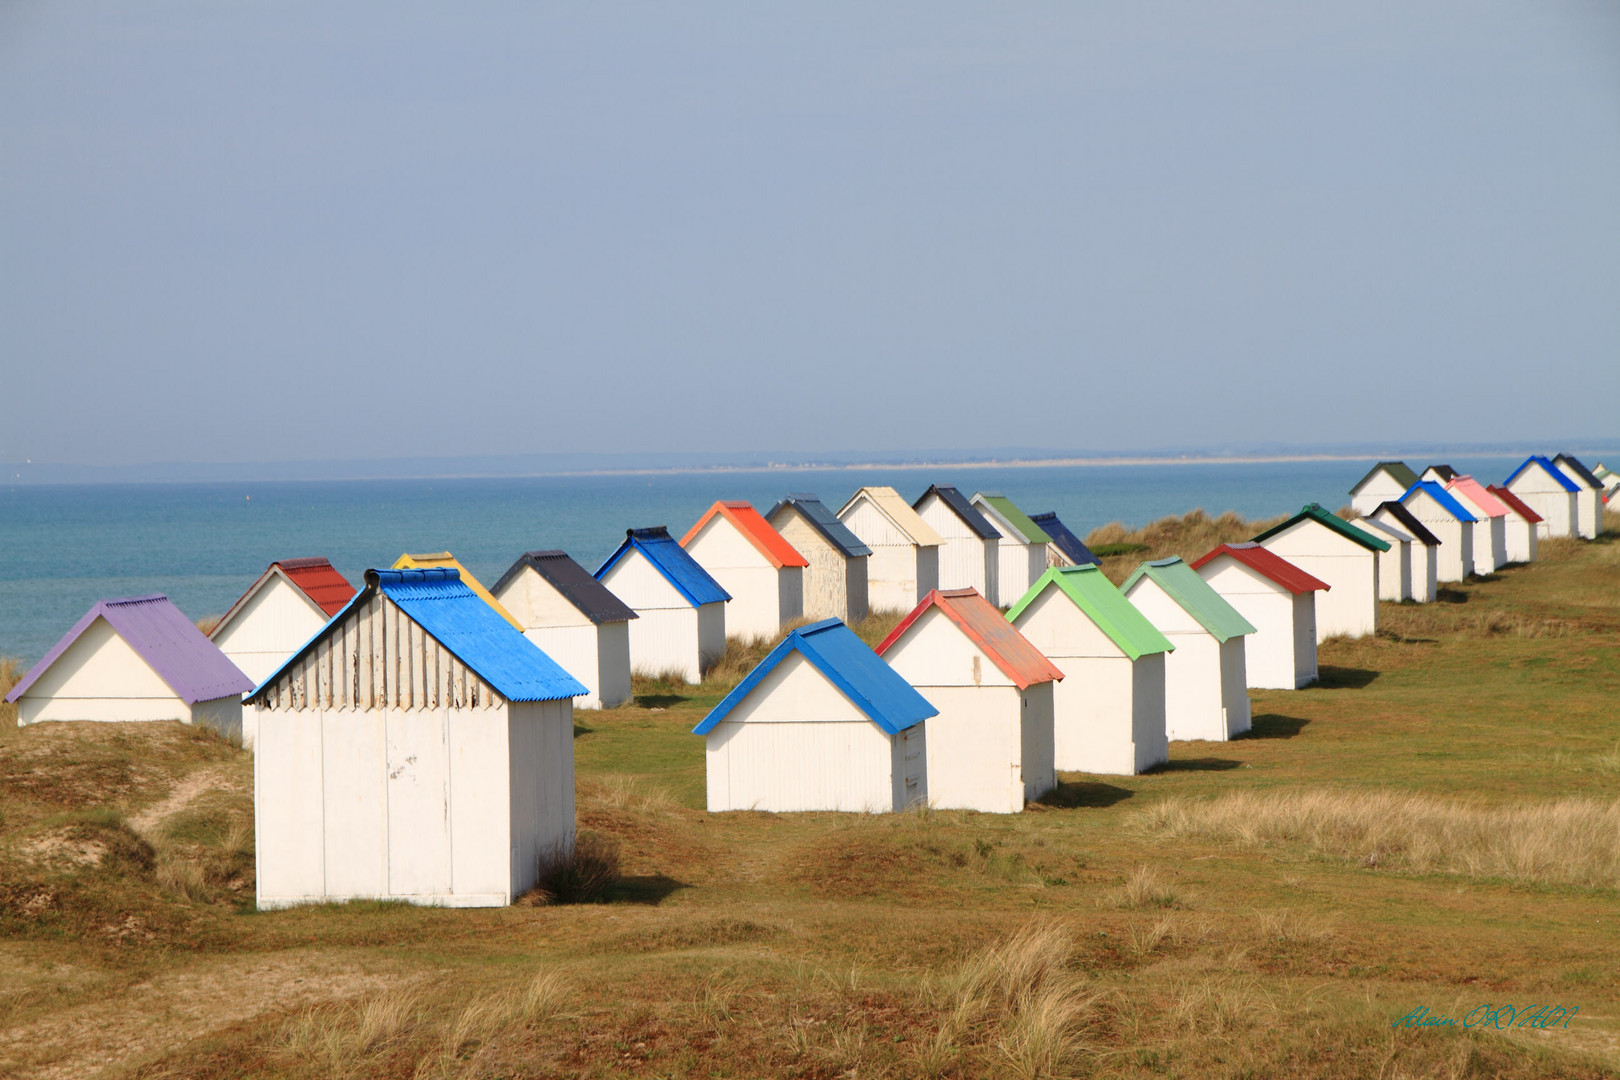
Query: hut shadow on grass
point(1443, 595)
point(1197, 764)
point(648, 889)
point(659, 701)
point(1329, 677)
point(1275, 726)
point(1071, 794)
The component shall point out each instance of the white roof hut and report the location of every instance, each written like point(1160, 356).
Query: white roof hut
point(1522, 525)
point(754, 563)
point(1279, 600)
point(1108, 712)
point(1385, 480)
point(1450, 521)
point(1024, 544)
point(680, 626)
point(1490, 517)
point(835, 574)
point(1423, 583)
point(284, 608)
point(904, 564)
point(1588, 500)
point(575, 620)
point(820, 724)
point(1546, 490)
point(418, 749)
point(970, 556)
point(1394, 565)
point(1206, 679)
point(1327, 547)
point(990, 748)
point(138, 658)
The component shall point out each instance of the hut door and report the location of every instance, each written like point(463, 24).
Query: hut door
point(418, 803)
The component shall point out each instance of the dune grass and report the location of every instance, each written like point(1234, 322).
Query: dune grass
point(1123, 549)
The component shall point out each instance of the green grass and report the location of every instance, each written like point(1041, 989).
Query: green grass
point(1191, 922)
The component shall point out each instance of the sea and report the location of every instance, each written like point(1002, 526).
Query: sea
point(202, 544)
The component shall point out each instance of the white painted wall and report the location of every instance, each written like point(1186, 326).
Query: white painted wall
point(1548, 498)
point(1394, 568)
point(1021, 565)
point(1272, 654)
point(269, 628)
point(1305, 671)
point(763, 597)
point(668, 634)
point(899, 573)
point(1380, 488)
point(966, 560)
point(834, 585)
point(1454, 560)
point(1197, 701)
point(1521, 535)
point(1350, 606)
point(598, 656)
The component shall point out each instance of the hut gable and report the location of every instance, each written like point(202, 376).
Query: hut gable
point(879, 515)
point(1388, 532)
point(1540, 474)
point(659, 553)
point(764, 542)
point(1313, 514)
point(445, 561)
point(1397, 514)
point(1064, 540)
point(149, 629)
point(313, 581)
point(1514, 504)
point(1443, 474)
point(1396, 473)
point(1126, 630)
point(963, 520)
point(1193, 595)
point(1571, 466)
point(1010, 521)
point(981, 627)
point(1266, 564)
point(824, 522)
point(1477, 496)
point(1430, 495)
point(547, 588)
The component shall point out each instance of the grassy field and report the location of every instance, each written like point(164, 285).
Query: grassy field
point(1437, 825)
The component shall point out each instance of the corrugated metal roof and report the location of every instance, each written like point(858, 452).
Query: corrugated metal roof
point(1267, 563)
point(438, 601)
point(1545, 466)
point(897, 510)
point(1515, 504)
point(1183, 585)
point(1571, 464)
point(1408, 521)
point(190, 664)
point(1396, 536)
point(987, 628)
point(1398, 471)
point(1066, 541)
point(1475, 492)
point(871, 685)
point(672, 561)
point(959, 505)
point(1314, 512)
point(770, 543)
point(590, 597)
point(443, 560)
point(1004, 508)
point(320, 581)
point(825, 522)
point(1441, 496)
point(1103, 604)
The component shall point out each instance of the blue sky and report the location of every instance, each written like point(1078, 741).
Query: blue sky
point(250, 232)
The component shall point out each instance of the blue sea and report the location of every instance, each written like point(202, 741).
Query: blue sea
point(67, 546)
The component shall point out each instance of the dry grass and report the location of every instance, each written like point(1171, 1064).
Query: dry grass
point(580, 872)
point(207, 623)
point(1563, 841)
point(1145, 888)
point(11, 673)
point(1189, 536)
point(624, 791)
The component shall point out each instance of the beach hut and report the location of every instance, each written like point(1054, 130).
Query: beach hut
point(1545, 489)
point(443, 560)
point(904, 564)
point(1449, 520)
point(820, 724)
point(1206, 679)
point(970, 555)
point(835, 574)
point(751, 561)
point(990, 746)
point(1589, 499)
point(1108, 712)
point(1327, 547)
point(1440, 474)
point(1522, 523)
point(575, 620)
point(1609, 479)
point(1023, 543)
point(1279, 600)
point(680, 625)
point(280, 611)
point(1385, 480)
point(1490, 529)
point(418, 749)
point(1394, 565)
point(1066, 549)
point(138, 658)
point(1425, 549)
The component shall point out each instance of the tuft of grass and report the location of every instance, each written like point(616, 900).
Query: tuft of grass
point(207, 623)
point(580, 872)
point(11, 672)
point(878, 625)
point(1144, 888)
point(1120, 548)
point(624, 791)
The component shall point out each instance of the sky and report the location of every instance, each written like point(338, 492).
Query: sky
point(241, 232)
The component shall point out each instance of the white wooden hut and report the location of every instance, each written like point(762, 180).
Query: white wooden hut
point(1385, 480)
point(680, 625)
point(990, 748)
point(284, 608)
point(1546, 490)
point(1279, 600)
point(1394, 565)
point(1066, 549)
point(820, 724)
point(1023, 544)
point(1449, 520)
point(904, 564)
point(1490, 522)
point(418, 749)
point(1327, 547)
point(1439, 474)
point(1522, 526)
point(575, 620)
point(1206, 679)
point(1108, 711)
point(1589, 497)
point(835, 574)
point(751, 561)
point(1424, 583)
point(137, 658)
point(970, 556)
point(1610, 481)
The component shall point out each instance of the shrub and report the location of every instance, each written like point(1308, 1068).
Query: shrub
point(580, 872)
